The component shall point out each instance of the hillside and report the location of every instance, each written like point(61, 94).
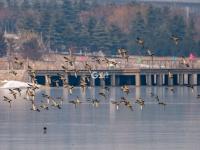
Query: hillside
point(92, 27)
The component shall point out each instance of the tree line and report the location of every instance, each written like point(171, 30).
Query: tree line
point(86, 26)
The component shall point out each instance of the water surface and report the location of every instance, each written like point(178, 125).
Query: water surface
point(175, 126)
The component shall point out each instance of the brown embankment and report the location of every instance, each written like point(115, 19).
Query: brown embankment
point(55, 61)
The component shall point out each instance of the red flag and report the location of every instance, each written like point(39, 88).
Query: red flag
point(191, 57)
point(83, 58)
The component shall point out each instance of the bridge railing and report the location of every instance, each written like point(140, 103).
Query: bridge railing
point(133, 63)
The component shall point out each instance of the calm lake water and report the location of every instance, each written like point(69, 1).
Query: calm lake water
point(175, 126)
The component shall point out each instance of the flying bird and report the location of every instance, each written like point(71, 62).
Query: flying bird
point(140, 42)
point(175, 39)
point(6, 99)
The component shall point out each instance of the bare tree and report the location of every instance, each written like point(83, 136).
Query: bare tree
point(31, 49)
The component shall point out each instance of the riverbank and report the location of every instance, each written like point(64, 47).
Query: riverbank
point(55, 62)
point(20, 76)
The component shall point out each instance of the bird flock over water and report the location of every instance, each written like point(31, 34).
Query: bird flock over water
point(70, 60)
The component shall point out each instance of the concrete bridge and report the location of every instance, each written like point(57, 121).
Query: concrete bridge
point(139, 70)
point(118, 77)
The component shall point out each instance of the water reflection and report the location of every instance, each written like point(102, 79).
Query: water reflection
point(174, 127)
point(137, 92)
point(112, 107)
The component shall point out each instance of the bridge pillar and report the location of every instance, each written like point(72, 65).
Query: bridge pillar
point(117, 80)
point(193, 79)
point(113, 80)
point(137, 92)
point(180, 79)
point(92, 81)
point(47, 80)
point(159, 79)
point(170, 81)
point(65, 93)
point(185, 79)
point(102, 82)
point(148, 79)
point(137, 79)
point(66, 78)
point(163, 78)
point(155, 79)
point(190, 79)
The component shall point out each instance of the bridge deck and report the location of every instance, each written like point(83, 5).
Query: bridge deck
point(123, 71)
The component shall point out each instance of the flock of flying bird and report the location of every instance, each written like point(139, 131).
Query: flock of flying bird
point(57, 102)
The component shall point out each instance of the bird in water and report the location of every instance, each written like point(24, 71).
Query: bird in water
point(162, 103)
point(95, 102)
point(116, 103)
point(170, 89)
point(129, 105)
point(43, 105)
point(140, 101)
point(76, 101)
point(198, 95)
point(157, 98)
point(152, 94)
point(126, 103)
point(55, 104)
point(61, 99)
point(47, 97)
point(107, 88)
point(191, 86)
point(34, 108)
point(103, 94)
point(159, 102)
point(44, 130)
